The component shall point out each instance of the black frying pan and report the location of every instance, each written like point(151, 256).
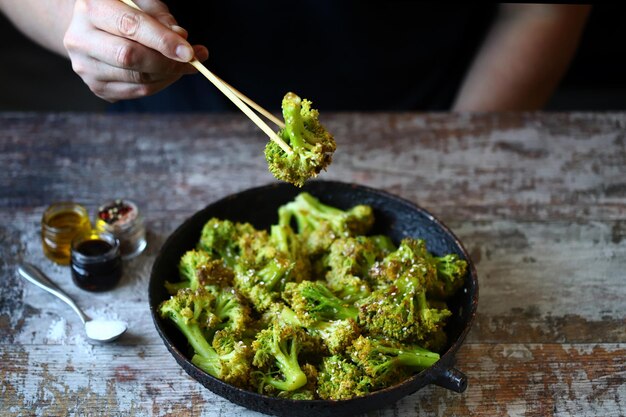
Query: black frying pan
point(395, 217)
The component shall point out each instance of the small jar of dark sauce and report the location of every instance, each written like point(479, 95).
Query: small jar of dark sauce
point(96, 262)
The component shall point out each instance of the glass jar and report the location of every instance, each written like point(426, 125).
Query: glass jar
point(96, 262)
point(60, 223)
point(123, 219)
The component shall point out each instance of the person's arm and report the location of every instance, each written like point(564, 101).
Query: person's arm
point(523, 58)
point(43, 21)
point(118, 51)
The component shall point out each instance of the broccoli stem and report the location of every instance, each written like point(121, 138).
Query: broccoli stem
point(192, 332)
point(422, 303)
point(327, 305)
point(271, 274)
point(318, 208)
point(287, 361)
point(294, 125)
point(206, 358)
point(287, 315)
point(416, 357)
point(210, 363)
point(227, 309)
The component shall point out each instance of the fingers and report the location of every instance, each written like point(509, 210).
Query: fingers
point(114, 83)
point(114, 17)
point(123, 53)
point(158, 10)
point(116, 90)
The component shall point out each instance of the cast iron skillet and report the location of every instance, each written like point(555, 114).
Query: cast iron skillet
point(395, 217)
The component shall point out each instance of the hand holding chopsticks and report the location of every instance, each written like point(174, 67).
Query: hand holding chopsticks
point(238, 99)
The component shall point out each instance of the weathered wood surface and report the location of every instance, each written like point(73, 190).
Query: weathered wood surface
point(538, 199)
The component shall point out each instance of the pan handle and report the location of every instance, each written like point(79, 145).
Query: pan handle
point(452, 379)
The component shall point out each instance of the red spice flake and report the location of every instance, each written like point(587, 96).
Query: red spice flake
point(117, 212)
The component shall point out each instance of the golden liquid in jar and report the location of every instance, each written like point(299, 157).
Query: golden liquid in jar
point(58, 230)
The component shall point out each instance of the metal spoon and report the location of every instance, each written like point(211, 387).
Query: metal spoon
point(97, 330)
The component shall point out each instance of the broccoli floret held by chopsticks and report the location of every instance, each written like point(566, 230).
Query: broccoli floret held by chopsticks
point(312, 144)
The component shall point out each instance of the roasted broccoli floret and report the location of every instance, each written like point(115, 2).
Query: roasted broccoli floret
point(402, 313)
point(319, 224)
point(221, 239)
point(389, 362)
point(410, 262)
point(262, 286)
point(232, 310)
point(308, 391)
point(356, 255)
point(450, 276)
point(276, 351)
point(193, 312)
point(340, 379)
point(398, 308)
point(279, 261)
point(197, 268)
point(287, 242)
point(311, 143)
point(335, 335)
point(312, 302)
point(349, 262)
point(233, 359)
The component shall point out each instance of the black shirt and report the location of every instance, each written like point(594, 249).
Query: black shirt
point(342, 55)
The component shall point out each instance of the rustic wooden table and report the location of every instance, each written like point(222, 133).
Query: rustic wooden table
point(538, 199)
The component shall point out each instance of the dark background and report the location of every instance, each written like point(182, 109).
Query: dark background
point(34, 79)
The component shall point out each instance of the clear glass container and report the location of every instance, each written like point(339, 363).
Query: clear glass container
point(60, 223)
point(96, 262)
point(123, 219)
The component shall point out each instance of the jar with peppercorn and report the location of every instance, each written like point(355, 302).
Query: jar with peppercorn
point(123, 219)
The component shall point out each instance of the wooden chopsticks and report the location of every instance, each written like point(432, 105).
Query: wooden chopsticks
point(238, 99)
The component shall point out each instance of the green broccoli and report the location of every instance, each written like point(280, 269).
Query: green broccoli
point(450, 276)
point(232, 309)
point(276, 351)
point(312, 302)
point(312, 307)
point(234, 359)
point(287, 242)
point(320, 224)
point(410, 262)
point(197, 268)
point(280, 261)
point(340, 379)
point(222, 239)
point(398, 308)
point(388, 362)
point(401, 313)
point(262, 286)
point(349, 262)
point(335, 335)
point(192, 311)
point(308, 391)
point(440, 276)
point(312, 145)
point(356, 255)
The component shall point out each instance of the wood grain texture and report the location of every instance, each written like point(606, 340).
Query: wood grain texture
point(538, 199)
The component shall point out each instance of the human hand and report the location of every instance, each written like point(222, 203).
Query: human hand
point(123, 53)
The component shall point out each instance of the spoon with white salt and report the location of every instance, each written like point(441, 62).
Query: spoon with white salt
point(96, 329)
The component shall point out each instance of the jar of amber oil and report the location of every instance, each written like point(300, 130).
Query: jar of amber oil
point(60, 223)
